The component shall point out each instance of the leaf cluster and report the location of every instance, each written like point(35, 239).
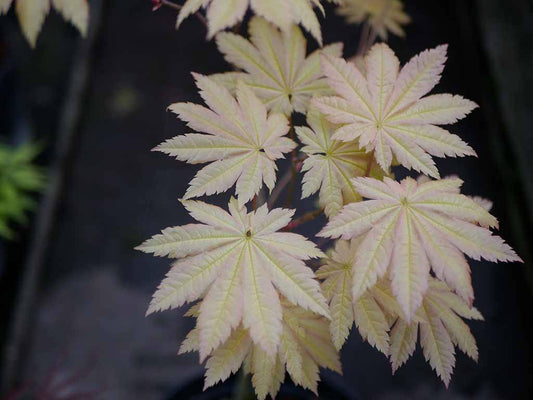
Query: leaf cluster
point(18, 178)
point(398, 269)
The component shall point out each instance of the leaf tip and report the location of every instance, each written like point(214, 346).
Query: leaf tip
point(151, 310)
point(443, 48)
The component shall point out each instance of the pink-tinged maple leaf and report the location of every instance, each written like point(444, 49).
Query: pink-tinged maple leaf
point(238, 262)
point(241, 141)
point(411, 227)
point(305, 346)
point(275, 65)
point(222, 14)
point(384, 109)
point(441, 330)
point(381, 321)
point(373, 312)
point(331, 164)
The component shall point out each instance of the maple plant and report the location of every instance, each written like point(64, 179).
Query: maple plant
point(392, 253)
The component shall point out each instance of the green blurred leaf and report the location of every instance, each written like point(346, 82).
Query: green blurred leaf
point(19, 177)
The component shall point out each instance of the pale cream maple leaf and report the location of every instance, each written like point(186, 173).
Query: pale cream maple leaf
point(380, 319)
point(385, 112)
point(441, 330)
point(238, 263)
point(411, 227)
point(223, 14)
point(74, 11)
point(5, 5)
point(373, 312)
point(382, 15)
point(275, 65)
point(481, 201)
point(241, 141)
point(331, 164)
point(305, 347)
point(32, 13)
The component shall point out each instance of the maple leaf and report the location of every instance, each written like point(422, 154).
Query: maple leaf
point(372, 312)
point(441, 330)
point(331, 164)
point(241, 141)
point(239, 262)
point(305, 347)
point(410, 227)
point(382, 15)
point(383, 110)
point(275, 65)
point(5, 5)
point(377, 311)
point(32, 13)
point(481, 201)
point(223, 14)
point(74, 11)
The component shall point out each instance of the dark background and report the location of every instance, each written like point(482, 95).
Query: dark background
point(73, 292)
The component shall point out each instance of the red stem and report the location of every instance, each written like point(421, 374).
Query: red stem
point(311, 215)
point(283, 182)
point(170, 4)
point(290, 192)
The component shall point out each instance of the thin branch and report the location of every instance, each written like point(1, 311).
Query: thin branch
point(290, 192)
point(311, 215)
point(167, 3)
point(371, 39)
point(283, 182)
point(363, 39)
point(366, 40)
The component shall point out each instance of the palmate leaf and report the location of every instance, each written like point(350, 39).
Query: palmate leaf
point(239, 263)
point(372, 312)
point(18, 177)
point(74, 11)
point(32, 13)
point(382, 15)
point(5, 5)
point(275, 65)
point(305, 346)
point(410, 227)
point(381, 321)
point(384, 110)
point(441, 330)
point(241, 141)
point(222, 14)
point(331, 164)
